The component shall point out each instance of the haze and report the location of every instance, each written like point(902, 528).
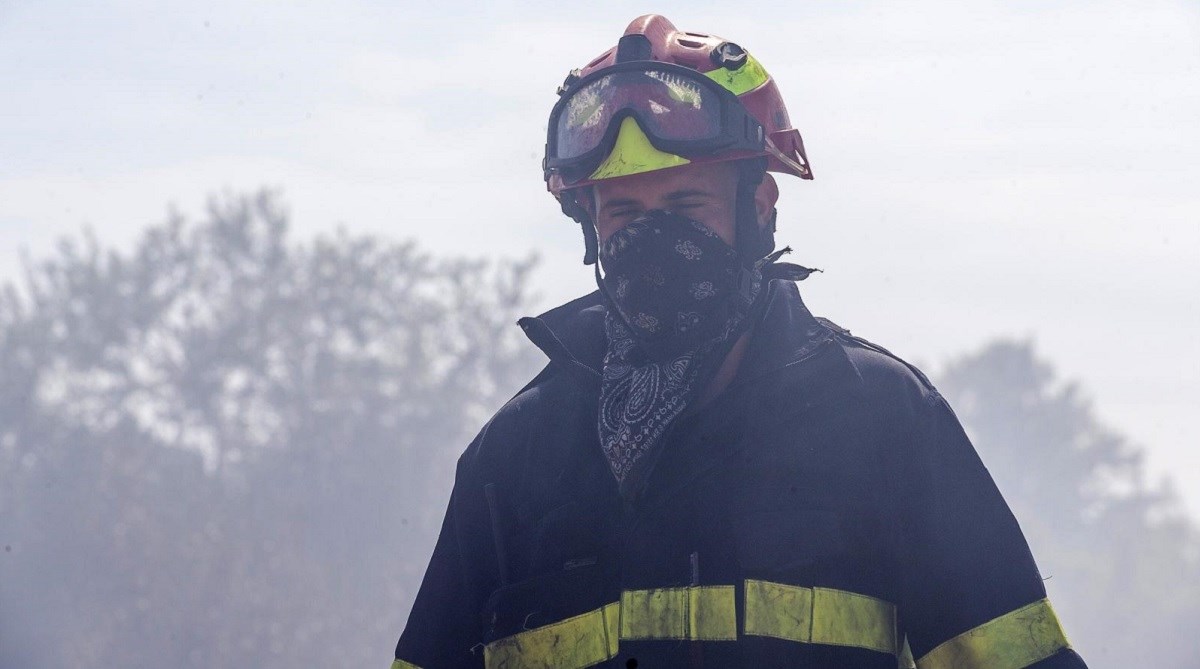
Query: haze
point(983, 169)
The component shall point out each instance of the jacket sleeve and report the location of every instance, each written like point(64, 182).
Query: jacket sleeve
point(970, 592)
point(443, 627)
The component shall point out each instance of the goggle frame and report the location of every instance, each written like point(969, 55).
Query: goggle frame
point(738, 130)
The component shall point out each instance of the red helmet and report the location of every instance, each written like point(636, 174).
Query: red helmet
point(663, 98)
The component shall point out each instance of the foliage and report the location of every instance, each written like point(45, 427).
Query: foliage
point(1120, 559)
point(222, 448)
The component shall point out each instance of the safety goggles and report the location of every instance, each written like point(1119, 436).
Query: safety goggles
point(681, 111)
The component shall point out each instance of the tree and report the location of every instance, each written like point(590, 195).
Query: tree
point(227, 449)
point(1120, 558)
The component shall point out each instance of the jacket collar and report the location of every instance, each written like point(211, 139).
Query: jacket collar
point(572, 335)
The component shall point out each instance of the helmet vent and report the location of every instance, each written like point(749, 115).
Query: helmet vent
point(691, 44)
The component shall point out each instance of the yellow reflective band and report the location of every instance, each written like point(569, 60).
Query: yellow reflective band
point(401, 664)
point(700, 613)
point(633, 154)
point(779, 611)
point(1015, 640)
point(819, 615)
point(849, 619)
point(746, 78)
point(574, 643)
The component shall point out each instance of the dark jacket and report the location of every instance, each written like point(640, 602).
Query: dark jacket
point(821, 510)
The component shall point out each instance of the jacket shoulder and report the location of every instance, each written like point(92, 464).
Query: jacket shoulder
point(523, 422)
point(885, 377)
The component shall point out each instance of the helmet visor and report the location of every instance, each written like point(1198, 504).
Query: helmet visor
point(670, 106)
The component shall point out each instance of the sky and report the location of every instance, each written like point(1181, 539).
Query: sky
point(984, 169)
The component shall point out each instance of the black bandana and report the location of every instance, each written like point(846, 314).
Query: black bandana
point(678, 299)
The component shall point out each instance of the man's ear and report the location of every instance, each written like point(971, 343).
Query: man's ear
point(765, 197)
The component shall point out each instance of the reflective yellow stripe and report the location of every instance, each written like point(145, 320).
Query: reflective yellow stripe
point(848, 619)
point(1013, 641)
point(819, 615)
point(574, 643)
point(401, 664)
point(746, 78)
point(703, 613)
point(779, 611)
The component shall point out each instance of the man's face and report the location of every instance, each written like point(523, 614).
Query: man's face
point(703, 193)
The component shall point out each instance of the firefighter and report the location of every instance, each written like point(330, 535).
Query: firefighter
point(705, 474)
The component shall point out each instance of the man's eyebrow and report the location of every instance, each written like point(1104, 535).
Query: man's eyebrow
point(675, 196)
point(685, 194)
point(620, 202)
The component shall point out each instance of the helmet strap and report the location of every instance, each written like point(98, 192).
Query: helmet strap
point(752, 242)
point(569, 201)
point(590, 243)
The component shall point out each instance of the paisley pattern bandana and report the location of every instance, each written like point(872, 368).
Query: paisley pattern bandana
point(678, 299)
